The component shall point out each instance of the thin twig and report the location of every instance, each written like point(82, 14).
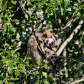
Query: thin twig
point(65, 63)
point(29, 73)
point(66, 58)
point(28, 30)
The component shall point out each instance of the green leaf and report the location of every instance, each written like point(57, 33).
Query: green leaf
point(45, 66)
point(9, 53)
point(16, 20)
point(76, 4)
point(29, 58)
point(6, 15)
point(13, 78)
point(44, 74)
point(11, 83)
point(80, 40)
point(9, 70)
point(67, 2)
point(4, 7)
point(11, 28)
point(39, 9)
point(37, 82)
point(4, 59)
point(0, 3)
point(78, 14)
point(11, 65)
point(1, 14)
point(15, 55)
point(13, 2)
point(69, 9)
point(46, 82)
point(31, 77)
point(75, 14)
point(38, 62)
point(6, 82)
point(3, 33)
point(28, 0)
point(20, 66)
point(62, 11)
point(4, 27)
point(35, 73)
point(17, 72)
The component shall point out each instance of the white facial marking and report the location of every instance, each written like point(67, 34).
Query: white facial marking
point(49, 42)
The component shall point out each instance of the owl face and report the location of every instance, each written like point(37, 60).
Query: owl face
point(47, 38)
point(49, 42)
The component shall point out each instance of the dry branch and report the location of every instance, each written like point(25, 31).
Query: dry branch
point(59, 19)
point(70, 37)
point(66, 27)
point(77, 81)
point(65, 63)
point(64, 30)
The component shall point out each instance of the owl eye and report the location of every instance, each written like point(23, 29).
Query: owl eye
point(51, 36)
point(47, 41)
point(41, 41)
point(52, 43)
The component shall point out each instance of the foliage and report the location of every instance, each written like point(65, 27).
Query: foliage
point(15, 69)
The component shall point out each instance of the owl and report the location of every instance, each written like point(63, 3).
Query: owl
point(47, 42)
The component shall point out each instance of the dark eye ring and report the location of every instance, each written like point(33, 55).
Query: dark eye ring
point(41, 41)
point(47, 41)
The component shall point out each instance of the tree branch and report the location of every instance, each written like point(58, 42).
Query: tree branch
point(65, 63)
point(59, 19)
point(77, 81)
point(70, 37)
point(64, 30)
point(28, 30)
point(66, 58)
